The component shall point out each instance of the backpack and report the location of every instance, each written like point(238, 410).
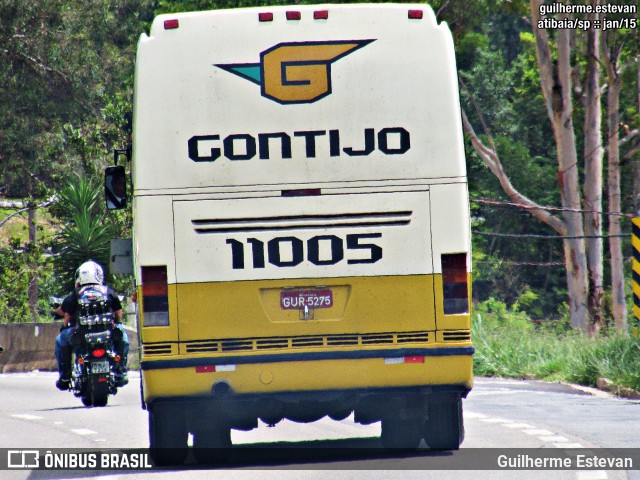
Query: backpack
point(93, 300)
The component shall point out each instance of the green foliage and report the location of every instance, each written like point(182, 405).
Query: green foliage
point(87, 230)
point(67, 73)
point(509, 344)
point(18, 264)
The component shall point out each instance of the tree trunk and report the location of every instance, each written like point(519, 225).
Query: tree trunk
point(32, 215)
point(557, 88)
point(619, 305)
point(592, 187)
point(615, 242)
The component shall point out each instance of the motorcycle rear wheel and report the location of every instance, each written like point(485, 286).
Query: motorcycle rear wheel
point(96, 393)
point(100, 392)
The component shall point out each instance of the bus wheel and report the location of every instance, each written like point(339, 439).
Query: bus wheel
point(211, 445)
point(167, 436)
point(444, 430)
point(400, 433)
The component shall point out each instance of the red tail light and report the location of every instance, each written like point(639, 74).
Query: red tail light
point(155, 298)
point(99, 352)
point(455, 283)
point(171, 24)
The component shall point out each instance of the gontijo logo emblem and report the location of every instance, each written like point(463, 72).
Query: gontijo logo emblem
point(296, 72)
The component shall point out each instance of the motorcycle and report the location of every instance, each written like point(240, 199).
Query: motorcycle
point(94, 361)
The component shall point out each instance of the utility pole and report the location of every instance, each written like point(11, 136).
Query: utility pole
point(635, 239)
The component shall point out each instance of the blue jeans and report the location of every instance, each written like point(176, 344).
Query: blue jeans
point(63, 340)
point(122, 347)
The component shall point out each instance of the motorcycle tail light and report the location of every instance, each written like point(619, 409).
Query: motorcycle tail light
point(99, 352)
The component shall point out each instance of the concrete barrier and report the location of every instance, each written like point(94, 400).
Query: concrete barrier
point(29, 346)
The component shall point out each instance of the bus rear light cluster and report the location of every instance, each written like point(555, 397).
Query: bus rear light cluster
point(455, 283)
point(155, 296)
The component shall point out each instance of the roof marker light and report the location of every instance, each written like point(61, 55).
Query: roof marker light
point(416, 14)
point(171, 24)
point(321, 14)
point(293, 15)
point(301, 192)
point(265, 17)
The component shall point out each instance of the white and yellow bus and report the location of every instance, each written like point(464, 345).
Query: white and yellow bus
point(301, 223)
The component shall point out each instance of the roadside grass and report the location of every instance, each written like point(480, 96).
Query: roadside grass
point(508, 344)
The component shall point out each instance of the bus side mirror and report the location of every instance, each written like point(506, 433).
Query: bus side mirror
point(115, 187)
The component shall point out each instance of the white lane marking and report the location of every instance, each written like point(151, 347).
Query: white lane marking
point(83, 431)
point(473, 415)
point(518, 425)
point(496, 420)
point(546, 436)
point(26, 416)
point(537, 432)
point(554, 438)
point(592, 475)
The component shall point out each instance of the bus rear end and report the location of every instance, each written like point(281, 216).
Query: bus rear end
point(301, 223)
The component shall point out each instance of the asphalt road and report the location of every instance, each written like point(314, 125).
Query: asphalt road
point(499, 414)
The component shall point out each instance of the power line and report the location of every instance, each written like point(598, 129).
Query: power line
point(550, 237)
point(525, 264)
point(488, 201)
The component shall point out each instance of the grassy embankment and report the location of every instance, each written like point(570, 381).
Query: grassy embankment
point(508, 344)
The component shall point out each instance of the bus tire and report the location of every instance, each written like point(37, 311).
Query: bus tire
point(168, 436)
point(397, 433)
point(444, 429)
point(211, 445)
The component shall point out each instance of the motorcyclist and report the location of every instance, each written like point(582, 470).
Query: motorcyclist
point(89, 274)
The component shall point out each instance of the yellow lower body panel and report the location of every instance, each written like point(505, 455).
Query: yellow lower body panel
point(310, 375)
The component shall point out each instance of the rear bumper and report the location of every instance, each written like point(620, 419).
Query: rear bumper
point(308, 373)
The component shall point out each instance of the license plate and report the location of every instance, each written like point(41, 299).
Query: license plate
point(100, 367)
point(298, 299)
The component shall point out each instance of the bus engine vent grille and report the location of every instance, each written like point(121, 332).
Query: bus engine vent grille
point(206, 346)
point(158, 349)
point(311, 341)
point(377, 339)
point(268, 343)
point(342, 340)
point(304, 342)
point(421, 337)
point(236, 345)
point(457, 336)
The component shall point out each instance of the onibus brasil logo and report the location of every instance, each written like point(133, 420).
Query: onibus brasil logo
point(295, 72)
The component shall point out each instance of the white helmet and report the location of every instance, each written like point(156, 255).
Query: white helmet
point(89, 273)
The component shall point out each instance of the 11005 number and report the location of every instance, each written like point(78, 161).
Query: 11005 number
point(285, 252)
